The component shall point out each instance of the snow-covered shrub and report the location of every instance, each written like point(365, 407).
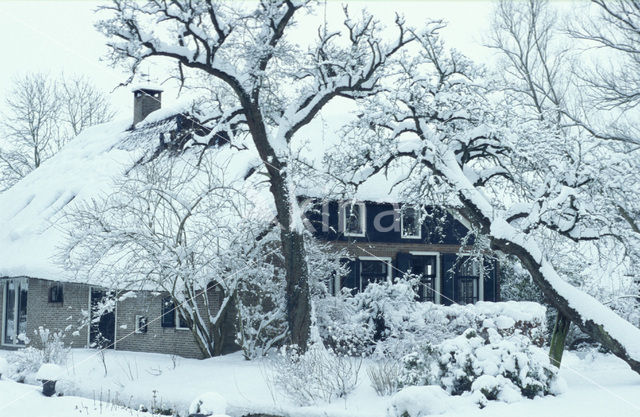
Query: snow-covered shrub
point(24, 363)
point(385, 320)
point(499, 366)
point(209, 403)
point(385, 376)
point(314, 376)
point(52, 346)
point(419, 402)
point(261, 319)
point(46, 347)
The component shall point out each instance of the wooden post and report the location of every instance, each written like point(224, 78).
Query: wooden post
point(560, 330)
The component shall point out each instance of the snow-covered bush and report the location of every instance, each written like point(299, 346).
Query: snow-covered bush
point(261, 319)
point(501, 367)
point(24, 363)
point(52, 346)
point(384, 320)
point(385, 376)
point(314, 376)
point(419, 402)
point(46, 347)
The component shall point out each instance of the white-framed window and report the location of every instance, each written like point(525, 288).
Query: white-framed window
point(353, 219)
point(410, 222)
point(170, 315)
point(181, 323)
point(141, 324)
point(14, 312)
point(427, 266)
point(374, 269)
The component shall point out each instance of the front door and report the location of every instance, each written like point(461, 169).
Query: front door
point(103, 321)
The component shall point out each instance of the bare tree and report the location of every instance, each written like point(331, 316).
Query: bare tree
point(534, 62)
point(184, 225)
point(275, 84)
point(81, 104)
point(540, 75)
point(43, 113)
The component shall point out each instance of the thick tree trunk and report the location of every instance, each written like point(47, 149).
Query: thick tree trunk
point(298, 303)
point(558, 337)
point(291, 239)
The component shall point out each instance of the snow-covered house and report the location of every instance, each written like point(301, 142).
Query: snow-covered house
point(383, 237)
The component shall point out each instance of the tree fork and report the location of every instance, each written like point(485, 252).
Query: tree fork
point(558, 337)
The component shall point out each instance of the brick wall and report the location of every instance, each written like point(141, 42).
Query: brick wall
point(158, 339)
point(54, 316)
point(58, 316)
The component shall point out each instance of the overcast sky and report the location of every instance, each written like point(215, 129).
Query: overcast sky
point(54, 36)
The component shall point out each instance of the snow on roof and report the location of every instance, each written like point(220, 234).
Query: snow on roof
point(85, 169)
point(146, 86)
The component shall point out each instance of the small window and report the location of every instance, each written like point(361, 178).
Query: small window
point(373, 271)
point(353, 219)
point(467, 290)
point(141, 324)
point(56, 294)
point(410, 223)
point(168, 313)
point(182, 323)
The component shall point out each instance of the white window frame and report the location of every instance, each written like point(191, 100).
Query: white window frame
point(3, 325)
point(138, 329)
point(177, 320)
point(402, 235)
point(363, 219)
point(438, 255)
point(384, 259)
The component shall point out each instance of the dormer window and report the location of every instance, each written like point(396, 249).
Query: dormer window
point(410, 224)
point(353, 219)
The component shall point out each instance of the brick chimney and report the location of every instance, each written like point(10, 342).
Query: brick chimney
point(146, 99)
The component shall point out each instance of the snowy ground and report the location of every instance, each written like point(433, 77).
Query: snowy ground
point(612, 389)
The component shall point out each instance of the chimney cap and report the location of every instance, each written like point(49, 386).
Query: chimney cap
point(147, 87)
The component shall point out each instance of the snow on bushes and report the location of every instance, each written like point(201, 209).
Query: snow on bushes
point(47, 347)
point(499, 366)
point(385, 320)
point(318, 375)
point(419, 402)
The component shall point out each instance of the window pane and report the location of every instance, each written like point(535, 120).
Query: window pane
point(22, 309)
point(372, 271)
point(467, 290)
point(9, 314)
point(353, 219)
point(410, 222)
point(469, 267)
point(374, 268)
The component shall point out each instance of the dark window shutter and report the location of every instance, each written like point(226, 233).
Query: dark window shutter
point(168, 313)
point(403, 264)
